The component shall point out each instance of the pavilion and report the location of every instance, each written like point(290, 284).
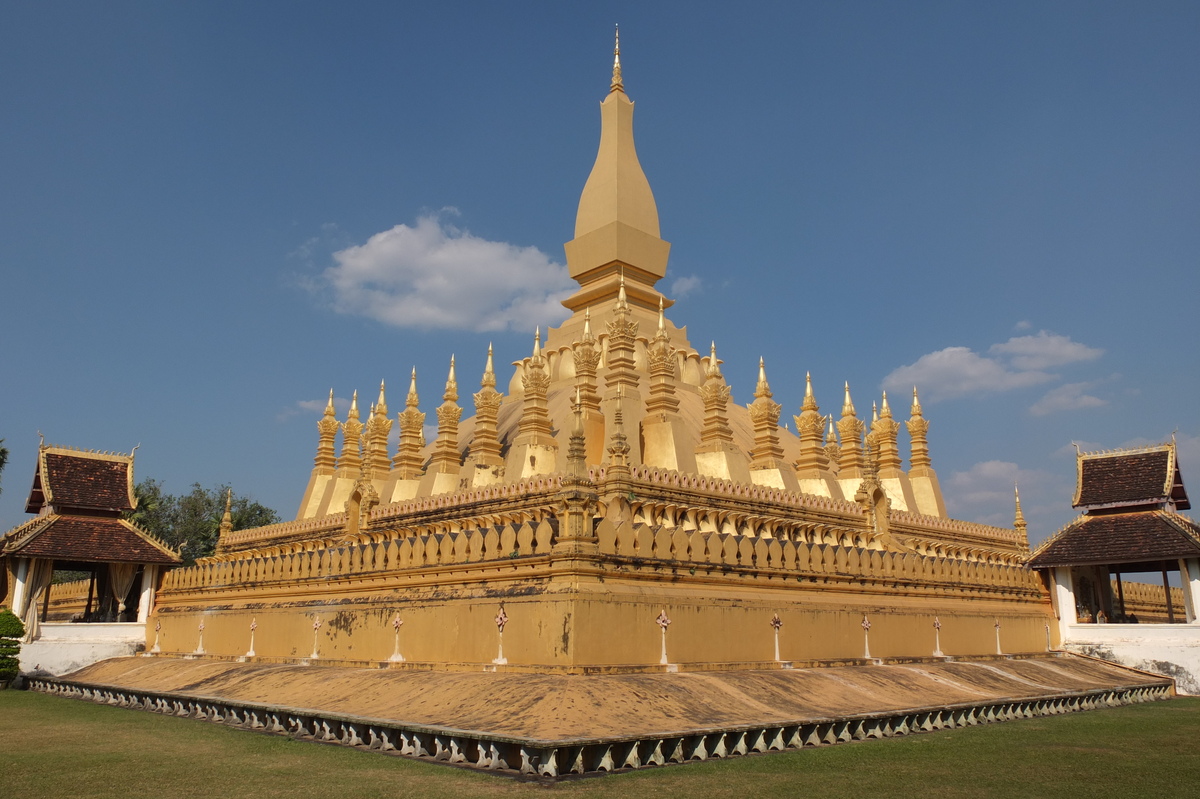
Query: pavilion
point(80, 498)
point(1130, 524)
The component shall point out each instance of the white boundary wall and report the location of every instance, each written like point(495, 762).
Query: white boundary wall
point(1172, 650)
point(64, 648)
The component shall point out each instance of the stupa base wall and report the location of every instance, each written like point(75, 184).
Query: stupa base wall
point(606, 621)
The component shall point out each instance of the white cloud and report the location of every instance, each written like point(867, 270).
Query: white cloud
point(985, 482)
point(313, 407)
point(1019, 362)
point(685, 285)
point(1044, 350)
point(1067, 397)
point(1024, 324)
point(434, 275)
point(957, 372)
point(984, 493)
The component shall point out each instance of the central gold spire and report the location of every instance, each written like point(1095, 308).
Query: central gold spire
point(617, 84)
point(616, 226)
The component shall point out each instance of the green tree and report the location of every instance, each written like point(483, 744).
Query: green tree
point(3, 459)
point(191, 522)
point(11, 631)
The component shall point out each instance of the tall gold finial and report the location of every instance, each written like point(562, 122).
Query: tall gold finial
point(451, 393)
point(810, 401)
point(885, 410)
point(489, 371)
point(762, 389)
point(329, 405)
point(226, 526)
point(412, 399)
point(537, 342)
point(1018, 518)
point(848, 404)
point(661, 318)
point(714, 363)
point(617, 84)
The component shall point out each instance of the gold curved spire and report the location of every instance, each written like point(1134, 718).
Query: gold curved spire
point(226, 526)
point(329, 405)
point(451, 393)
point(848, 404)
point(412, 400)
point(489, 371)
point(353, 414)
point(916, 406)
point(1018, 517)
point(617, 84)
point(662, 318)
point(381, 404)
point(537, 342)
point(714, 363)
point(885, 410)
point(617, 218)
point(762, 389)
point(810, 401)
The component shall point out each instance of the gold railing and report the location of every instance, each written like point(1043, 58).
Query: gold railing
point(722, 556)
point(1147, 602)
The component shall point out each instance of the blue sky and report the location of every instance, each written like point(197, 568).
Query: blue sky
point(998, 201)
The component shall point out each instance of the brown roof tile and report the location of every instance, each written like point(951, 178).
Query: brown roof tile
point(1120, 538)
point(1125, 478)
point(87, 480)
point(86, 538)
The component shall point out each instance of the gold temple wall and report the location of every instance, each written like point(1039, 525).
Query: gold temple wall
point(721, 571)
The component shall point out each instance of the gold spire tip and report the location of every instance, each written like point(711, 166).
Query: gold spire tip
point(617, 84)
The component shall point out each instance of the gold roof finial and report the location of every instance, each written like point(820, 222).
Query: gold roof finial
point(810, 401)
point(622, 300)
point(353, 414)
point(381, 405)
point(489, 371)
point(412, 399)
point(916, 406)
point(714, 363)
point(227, 519)
point(848, 404)
point(587, 323)
point(451, 393)
point(762, 389)
point(329, 405)
point(537, 342)
point(885, 410)
point(617, 84)
point(1018, 518)
point(661, 318)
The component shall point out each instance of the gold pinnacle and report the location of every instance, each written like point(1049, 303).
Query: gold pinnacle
point(617, 84)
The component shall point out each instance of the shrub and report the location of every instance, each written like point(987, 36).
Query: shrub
point(11, 631)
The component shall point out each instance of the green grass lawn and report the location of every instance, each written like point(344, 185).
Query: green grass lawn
point(66, 748)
